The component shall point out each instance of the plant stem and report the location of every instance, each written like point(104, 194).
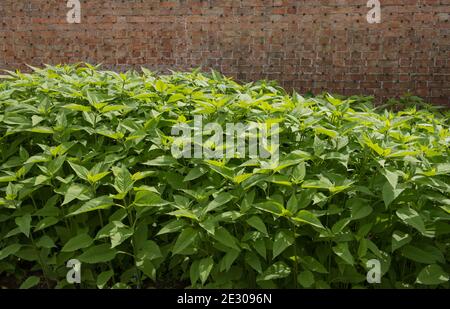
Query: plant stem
point(100, 217)
point(295, 254)
point(133, 242)
point(41, 263)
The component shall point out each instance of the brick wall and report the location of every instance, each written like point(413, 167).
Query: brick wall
point(306, 45)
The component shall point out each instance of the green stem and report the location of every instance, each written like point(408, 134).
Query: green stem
point(41, 263)
point(100, 217)
point(295, 254)
point(133, 242)
point(331, 250)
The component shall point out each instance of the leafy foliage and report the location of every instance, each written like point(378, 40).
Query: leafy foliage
point(86, 173)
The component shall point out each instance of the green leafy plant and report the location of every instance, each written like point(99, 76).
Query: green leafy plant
point(86, 173)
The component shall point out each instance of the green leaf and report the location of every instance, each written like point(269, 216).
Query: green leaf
point(390, 194)
point(78, 107)
point(342, 251)
point(240, 178)
point(279, 180)
point(195, 173)
point(307, 217)
point(327, 132)
point(171, 227)
point(24, 224)
point(149, 250)
point(253, 180)
point(162, 161)
point(220, 168)
point(220, 200)
point(399, 239)
point(81, 171)
point(225, 238)
point(94, 178)
point(299, 172)
point(113, 108)
point(185, 213)
point(317, 184)
point(160, 86)
point(312, 264)
point(253, 260)
point(420, 255)
point(292, 205)
point(204, 268)
point(55, 165)
point(228, 260)
point(148, 199)
point(194, 273)
point(147, 267)
point(392, 177)
point(306, 279)
point(258, 224)
point(80, 241)
point(412, 218)
point(102, 202)
point(176, 97)
point(272, 207)
point(360, 211)
point(432, 275)
point(43, 130)
point(38, 159)
point(76, 191)
point(103, 278)
point(375, 147)
point(7, 179)
point(123, 181)
point(282, 241)
point(119, 233)
point(260, 247)
point(45, 223)
point(144, 174)
point(340, 225)
point(363, 247)
point(105, 231)
point(98, 254)
point(45, 242)
point(7, 251)
point(184, 240)
point(30, 282)
point(278, 270)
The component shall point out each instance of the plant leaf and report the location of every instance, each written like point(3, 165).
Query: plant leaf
point(98, 254)
point(282, 241)
point(342, 251)
point(80, 241)
point(432, 275)
point(184, 240)
point(307, 217)
point(30, 282)
point(102, 202)
point(204, 267)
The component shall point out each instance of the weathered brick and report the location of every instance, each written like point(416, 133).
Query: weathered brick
point(313, 45)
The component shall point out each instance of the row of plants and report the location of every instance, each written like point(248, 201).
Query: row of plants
point(87, 173)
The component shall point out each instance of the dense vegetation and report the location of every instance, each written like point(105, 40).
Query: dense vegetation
point(86, 173)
